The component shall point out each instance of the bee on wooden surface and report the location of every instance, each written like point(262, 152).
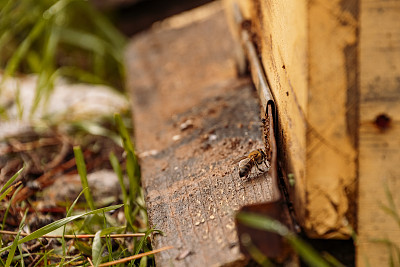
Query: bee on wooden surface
point(253, 160)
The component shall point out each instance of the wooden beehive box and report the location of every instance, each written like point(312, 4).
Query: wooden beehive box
point(334, 69)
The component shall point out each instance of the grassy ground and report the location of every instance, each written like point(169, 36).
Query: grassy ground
point(68, 39)
point(64, 38)
point(82, 232)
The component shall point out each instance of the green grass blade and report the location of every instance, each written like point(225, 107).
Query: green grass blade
point(393, 250)
point(110, 230)
point(57, 224)
point(12, 179)
point(263, 223)
point(132, 165)
point(69, 212)
point(112, 35)
point(23, 48)
point(9, 206)
point(118, 171)
point(83, 247)
point(72, 262)
point(22, 255)
point(126, 139)
point(114, 39)
point(129, 215)
point(99, 67)
point(305, 251)
point(15, 243)
point(48, 252)
point(97, 249)
point(5, 7)
point(109, 249)
point(389, 197)
point(2, 196)
point(71, 208)
point(254, 252)
point(332, 260)
point(143, 240)
point(81, 75)
point(45, 84)
point(83, 40)
point(143, 262)
point(45, 259)
point(34, 61)
point(81, 166)
point(391, 210)
point(13, 247)
point(56, 8)
point(18, 103)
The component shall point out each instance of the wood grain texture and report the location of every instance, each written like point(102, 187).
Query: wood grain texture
point(279, 32)
point(186, 74)
point(348, 110)
point(379, 140)
point(309, 52)
point(332, 117)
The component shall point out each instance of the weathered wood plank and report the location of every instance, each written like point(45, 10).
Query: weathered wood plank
point(193, 118)
point(279, 32)
point(347, 107)
point(308, 50)
point(284, 56)
point(379, 132)
point(332, 117)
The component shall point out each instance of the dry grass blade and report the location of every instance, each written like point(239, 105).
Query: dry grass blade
point(43, 181)
point(138, 256)
point(59, 223)
point(90, 261)
point(75, 236)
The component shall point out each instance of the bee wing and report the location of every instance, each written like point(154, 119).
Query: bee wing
point(244, 162)
point(239, 159)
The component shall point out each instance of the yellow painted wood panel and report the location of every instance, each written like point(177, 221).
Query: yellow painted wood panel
point(379, 132)
point(283, 46)
point(309, 53)
point(279, 32)
point(332, 117)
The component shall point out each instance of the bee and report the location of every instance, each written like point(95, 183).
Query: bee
point(254, 159)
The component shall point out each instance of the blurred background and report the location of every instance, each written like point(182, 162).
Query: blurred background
point(82, 41)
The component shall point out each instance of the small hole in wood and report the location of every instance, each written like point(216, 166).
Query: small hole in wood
point(383, 122)
point(246, 25)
